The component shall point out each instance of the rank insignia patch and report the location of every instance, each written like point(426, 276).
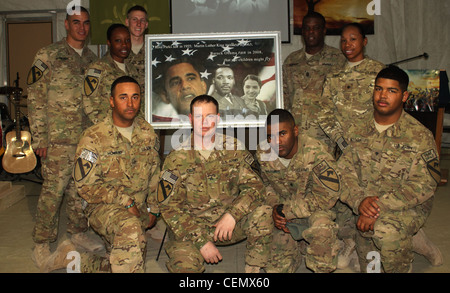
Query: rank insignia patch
point(327, 175)
point(432, 162)
point(84, 165)
point(91, 81)
point(166, 185)
point(36, 72)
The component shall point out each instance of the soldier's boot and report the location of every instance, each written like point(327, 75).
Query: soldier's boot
point(83, 240)
point(58, 259)
point(423, 246)
point(354, 261)
point(345, 253)
point(249, 269)
point(40, 254)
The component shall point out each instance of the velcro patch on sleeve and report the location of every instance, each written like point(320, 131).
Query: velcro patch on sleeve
point(166, 185)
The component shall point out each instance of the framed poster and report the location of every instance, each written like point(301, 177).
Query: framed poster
point(212, 16)
point(242, 71)
point(336, 13)
point(423, 90)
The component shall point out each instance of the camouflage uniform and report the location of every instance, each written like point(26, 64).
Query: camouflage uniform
point(308, 188)
point(138, 62)
point(109, 172)
point(302, 85)
point(56, 122)
point(348, 96)
point(401, 167)
point(195, 193)
point(97, 87)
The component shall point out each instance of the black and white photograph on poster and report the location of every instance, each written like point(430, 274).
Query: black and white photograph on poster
point(241, 71)
point(225, 16)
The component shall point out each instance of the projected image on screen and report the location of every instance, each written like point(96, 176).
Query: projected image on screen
point(209, 16)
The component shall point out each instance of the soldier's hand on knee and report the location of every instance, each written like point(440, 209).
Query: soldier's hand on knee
point(279, 220)
point(210, 253)
point(224, 228)
point(369, 208)
point(365, 224)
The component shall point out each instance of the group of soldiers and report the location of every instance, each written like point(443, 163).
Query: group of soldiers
point(343, 171)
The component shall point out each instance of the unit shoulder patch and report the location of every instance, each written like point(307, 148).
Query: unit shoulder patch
point(431, 160)
point(36, 72)
point(327, 176)
point(84, 164)
point(166, 185)
point(91, 81)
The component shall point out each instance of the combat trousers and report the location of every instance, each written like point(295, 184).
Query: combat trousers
point(256, 228)
point(391, 239)
point(321, 251)
point(57, 170)
point(124, 234)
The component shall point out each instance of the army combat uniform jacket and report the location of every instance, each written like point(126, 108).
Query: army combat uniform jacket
point(138, 62)
point(303, 80)
point(109, 169)
point(308, 184)
point(54, 94)
point(194, 192)
point(97, 86)
point(399, 165)
point(348, 94)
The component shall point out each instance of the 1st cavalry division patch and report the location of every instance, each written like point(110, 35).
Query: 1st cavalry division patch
point(166, 185)
point(84, 165)
point(327, 176)
point(91, 81)
point(432, 162)
point(36, 72)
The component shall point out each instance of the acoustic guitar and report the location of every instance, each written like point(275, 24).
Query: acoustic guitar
point(19, 156)
point(2, 149)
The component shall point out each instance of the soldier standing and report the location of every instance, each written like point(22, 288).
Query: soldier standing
point(116, 173)
point(304, 73)
point(302, 185)
point(391, 172)
point(102, 73)
point(137, 23)
point(56, 122)
point(347, 94)
point(211, 194)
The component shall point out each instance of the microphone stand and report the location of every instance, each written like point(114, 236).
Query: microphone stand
point(425, 55)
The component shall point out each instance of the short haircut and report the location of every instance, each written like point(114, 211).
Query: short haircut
point(112, 28)
point(317, 15)
point(395, 73)
point(82, 9)
point(253, 77)
point(136, 8)
point(123, 79)
point(282, 115)
point(358, 26)
point(204, 99)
